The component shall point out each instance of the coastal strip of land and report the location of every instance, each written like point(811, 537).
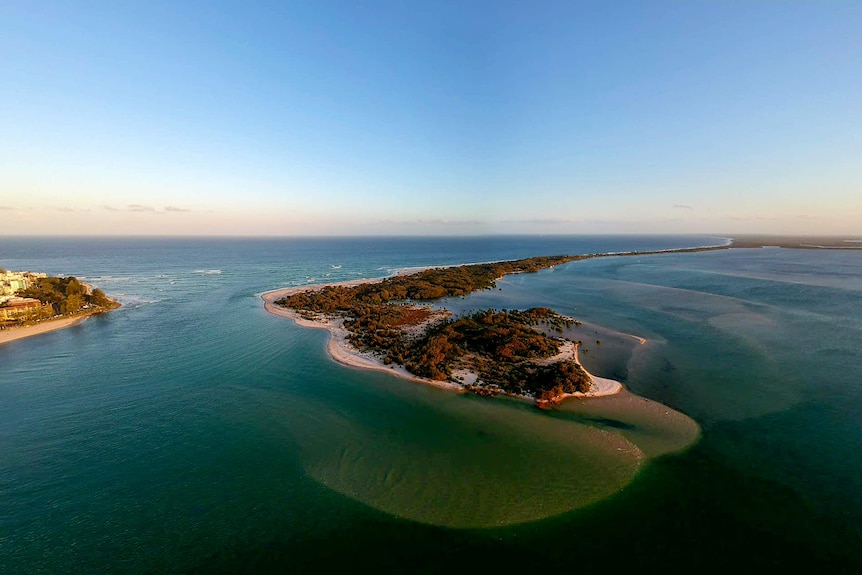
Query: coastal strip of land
point(33, 303)
point(391, 327)
point(9, 334)
point(796, 242)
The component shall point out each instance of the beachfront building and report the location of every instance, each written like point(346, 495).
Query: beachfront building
point(22, 308)
point(13, 308)
point(12, 282)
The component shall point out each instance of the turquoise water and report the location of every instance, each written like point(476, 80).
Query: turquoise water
point(190, 431)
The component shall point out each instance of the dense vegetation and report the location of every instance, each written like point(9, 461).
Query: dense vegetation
point(426, 285)
point(66, 295)
point(361, 302)
point(501, 347)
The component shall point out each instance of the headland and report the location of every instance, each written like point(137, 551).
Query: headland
point(35, 303)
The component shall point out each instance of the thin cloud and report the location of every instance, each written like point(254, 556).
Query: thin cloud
point(5, 208)
point(451, 222)
point(608, 222)
point(144, 209)
point(754, 218)
point(433, 222)
point(140, 208)
point(546, 221)
point(682, 207)
point(66, 209)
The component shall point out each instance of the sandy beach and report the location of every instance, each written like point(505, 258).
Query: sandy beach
point(338, 347)
point(13, 333)
point(344, 353)
point(45, 326)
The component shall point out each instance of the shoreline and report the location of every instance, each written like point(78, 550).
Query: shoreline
point(341, 351)
point(11, 334)
point(15, 333)
point(601, 386)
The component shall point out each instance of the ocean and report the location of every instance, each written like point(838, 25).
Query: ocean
point(192, 432)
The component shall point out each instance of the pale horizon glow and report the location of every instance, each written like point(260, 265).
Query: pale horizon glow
point(423, 118)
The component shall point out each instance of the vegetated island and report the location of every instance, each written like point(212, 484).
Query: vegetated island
point(389, 324)
point(35, 303)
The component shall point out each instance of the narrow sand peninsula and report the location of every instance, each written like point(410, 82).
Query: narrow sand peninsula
point(13, 333)
point(343, 352)
point(601, 386)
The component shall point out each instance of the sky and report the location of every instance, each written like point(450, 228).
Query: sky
point(430, 118)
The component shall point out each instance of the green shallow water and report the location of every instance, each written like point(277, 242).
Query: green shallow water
point(461, 463)
point(455, 460)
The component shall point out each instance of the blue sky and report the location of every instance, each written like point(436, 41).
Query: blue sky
point(286, 118)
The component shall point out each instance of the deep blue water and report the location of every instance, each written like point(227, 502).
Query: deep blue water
point(189, 430)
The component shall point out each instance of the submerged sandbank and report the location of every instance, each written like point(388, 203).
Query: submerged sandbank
point(585, 450)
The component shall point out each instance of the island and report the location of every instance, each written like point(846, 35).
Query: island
point(33, 303)
point(391, 324)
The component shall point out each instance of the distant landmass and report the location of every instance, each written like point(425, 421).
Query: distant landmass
point(797, 242)
point(32, 303)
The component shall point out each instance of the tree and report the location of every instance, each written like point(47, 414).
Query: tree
point(72, 304)
point(74, 287)
point(98, 298)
